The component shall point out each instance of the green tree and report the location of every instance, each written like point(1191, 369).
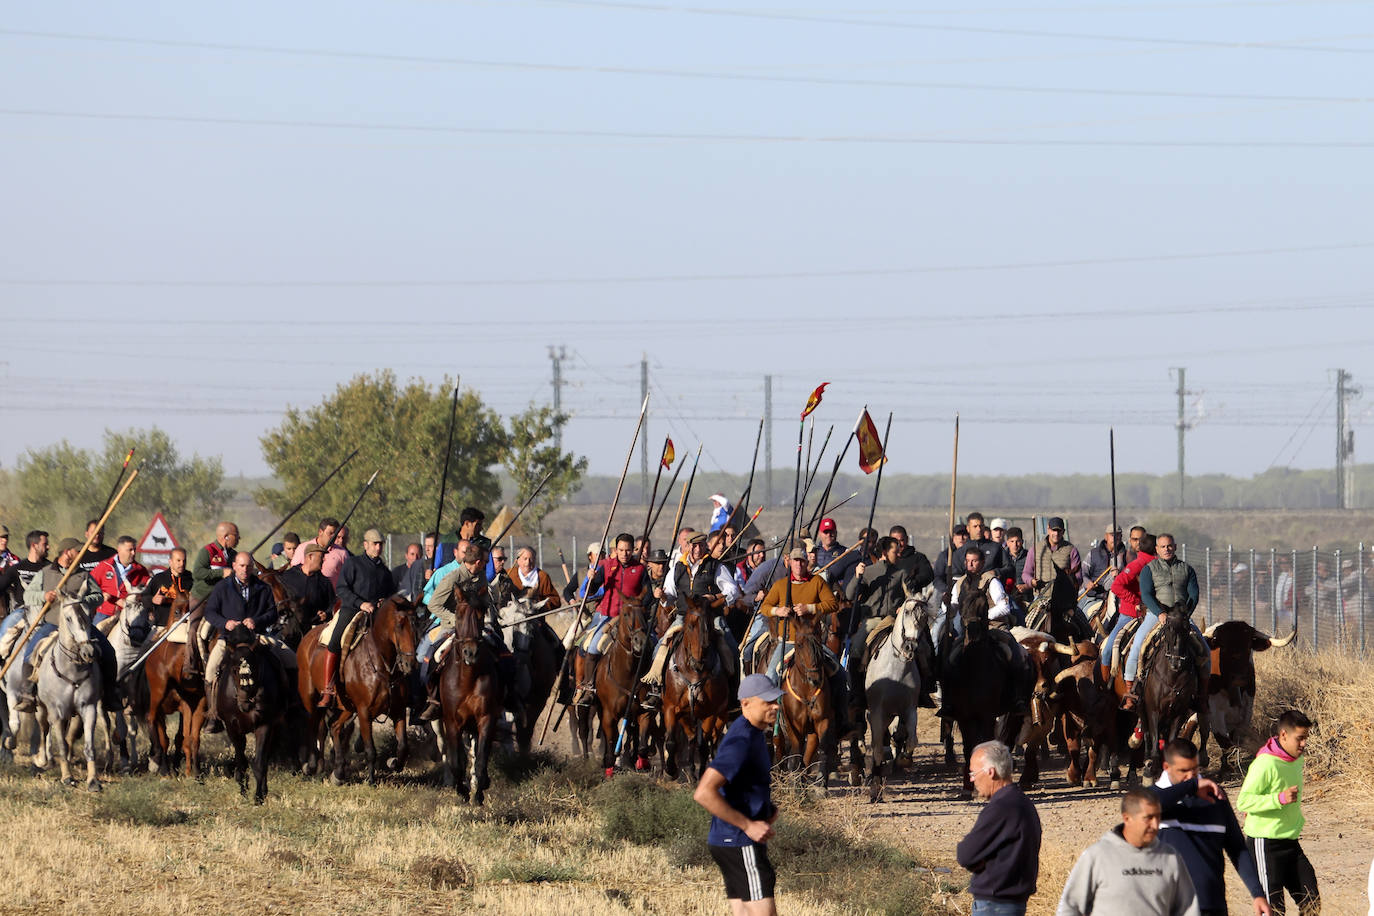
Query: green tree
point(399, 429)
point(531, 454)
point(61, 486)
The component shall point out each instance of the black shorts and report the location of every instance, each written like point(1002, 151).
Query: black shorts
point(749, 876)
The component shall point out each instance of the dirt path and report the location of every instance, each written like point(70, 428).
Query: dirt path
point(923, 813)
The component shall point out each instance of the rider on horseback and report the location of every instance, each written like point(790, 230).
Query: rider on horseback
point(707, 582)
point(877, 592)
point(79, 587)
point(625, 579)
point(469, 580)
point(978, 607)
point(240, 600)
point(364, 583)
point(1056, 572)
point(1165, 582)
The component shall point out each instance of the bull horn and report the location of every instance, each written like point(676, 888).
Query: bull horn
point(1065, 650)
point(1279, 643)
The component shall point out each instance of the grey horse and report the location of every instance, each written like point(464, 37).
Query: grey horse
point(68, 687)
point(893, 685)
point(14, 688)
point(129, 633)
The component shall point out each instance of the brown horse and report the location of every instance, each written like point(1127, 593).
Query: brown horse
point(650, 722)
point(696, 695)
point(470, 692)
point(374, 678)
point(807, 717)
point(617, 681)
point(252, 697)
point(171, 690)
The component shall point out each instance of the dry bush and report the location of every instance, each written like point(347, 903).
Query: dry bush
point(1336, 691)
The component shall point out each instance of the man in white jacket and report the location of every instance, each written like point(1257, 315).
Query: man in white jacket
point(1128, 872)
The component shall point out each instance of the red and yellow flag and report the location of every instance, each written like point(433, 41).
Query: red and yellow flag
point(815, 400)
point(668, 453)
point(871, 455)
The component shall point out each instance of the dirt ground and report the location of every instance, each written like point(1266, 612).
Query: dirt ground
point(923, 814)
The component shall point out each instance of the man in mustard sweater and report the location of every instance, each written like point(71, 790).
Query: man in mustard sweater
point(1271, 798)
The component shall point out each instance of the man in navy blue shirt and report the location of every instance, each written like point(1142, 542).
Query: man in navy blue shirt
point(735, 789)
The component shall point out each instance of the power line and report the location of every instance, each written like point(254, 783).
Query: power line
point(966, 29)
point(675, 73)
point(699, 137)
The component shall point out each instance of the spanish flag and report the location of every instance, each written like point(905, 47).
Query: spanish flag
point(815, 400)
point(871, 455)
point(668, 453)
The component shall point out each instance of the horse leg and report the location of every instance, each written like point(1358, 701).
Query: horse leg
point(877, 750)
point(40, 758)
point(339, 747)
point(459, 746)
point(486, 727)
point(671, 729)
point(369, 748)
point(398, 763)
point(966, 792)
point(947, 738)
point(61, 736)
point(192, 739)
point(1072, 750)
point(157, 732)
point(262, 740)
point(240, 745)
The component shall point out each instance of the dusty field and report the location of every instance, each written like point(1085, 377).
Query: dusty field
point(555, 840)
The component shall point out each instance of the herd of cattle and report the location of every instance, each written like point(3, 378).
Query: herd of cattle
point(1075, 697)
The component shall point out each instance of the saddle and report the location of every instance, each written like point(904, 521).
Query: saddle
point(179, 635)
point(11, 637)
point(1202, 653)
point(603, 641)
point(40, 651)
point(352, 635)
point(876, 629)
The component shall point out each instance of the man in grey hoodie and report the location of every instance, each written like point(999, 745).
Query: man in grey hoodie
point(1128, 872)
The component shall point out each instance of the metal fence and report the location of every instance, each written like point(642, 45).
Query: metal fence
point(1327, 591)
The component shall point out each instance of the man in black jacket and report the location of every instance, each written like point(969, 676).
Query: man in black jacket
point(1003, 848)
point(1201, 828)
point(241, 599)
point(308, 584)
point(363, 584)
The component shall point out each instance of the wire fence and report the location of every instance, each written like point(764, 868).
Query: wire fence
point(1327, 592)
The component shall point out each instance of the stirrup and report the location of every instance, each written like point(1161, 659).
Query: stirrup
point(433, 709)
point(27, 703)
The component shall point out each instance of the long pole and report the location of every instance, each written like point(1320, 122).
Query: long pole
point(829, 510)
point(791, 537)
point(953, 488)
point(742, 504)
point(839, 459)
point(686, 490)
point(539, 488)
point(1116, 529)
point(90, 539)
point(872, 510)
point(811, 474)
point(300, 505)
point(115, 486)
point(653, 497)
point(443, 480)
point(344, 524)
point(610, 516)
point(667, 494)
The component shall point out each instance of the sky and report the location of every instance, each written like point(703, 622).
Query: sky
point(1025, 213)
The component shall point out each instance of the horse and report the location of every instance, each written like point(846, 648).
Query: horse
point(14, 687)
point(617, 681)
point(470, 694)
point(128, 632)
point(172, 690)
point(977, 693)
point(69, 687)
point(538, 658)
point(807, 716)
point(1174, 688)
point(696, 695)
point(650, 722)
point(292, 620)
point(251, 697)
point(892, 683)
point(374, 678)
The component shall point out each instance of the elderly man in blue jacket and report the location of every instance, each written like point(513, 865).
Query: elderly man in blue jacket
point(240, 600)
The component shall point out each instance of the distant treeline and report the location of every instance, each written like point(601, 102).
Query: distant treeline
point(1278, 488)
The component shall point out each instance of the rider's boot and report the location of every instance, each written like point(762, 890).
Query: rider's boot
point(1132, 696)
point(329, 696)
point(434, 706)
point(586, 688)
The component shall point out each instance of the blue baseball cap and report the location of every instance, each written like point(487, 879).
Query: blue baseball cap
point(758, 685)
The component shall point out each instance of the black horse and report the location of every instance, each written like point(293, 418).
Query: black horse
point(1175, 687)
point(253, 696)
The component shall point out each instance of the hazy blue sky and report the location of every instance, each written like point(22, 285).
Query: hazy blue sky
point(1023, 212)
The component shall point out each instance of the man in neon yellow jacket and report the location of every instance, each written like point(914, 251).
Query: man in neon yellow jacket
point(1271, 797)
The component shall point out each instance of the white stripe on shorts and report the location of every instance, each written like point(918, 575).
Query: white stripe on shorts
point(751, 872)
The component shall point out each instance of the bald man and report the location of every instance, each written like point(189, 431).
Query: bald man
point(214, 562)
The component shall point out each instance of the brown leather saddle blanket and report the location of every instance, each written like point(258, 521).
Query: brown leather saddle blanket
point(353, 633)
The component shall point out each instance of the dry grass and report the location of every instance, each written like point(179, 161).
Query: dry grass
point(550, 843)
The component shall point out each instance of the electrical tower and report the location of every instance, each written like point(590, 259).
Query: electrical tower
point(557, 355)
point(1183, 425)
point(1345, 441)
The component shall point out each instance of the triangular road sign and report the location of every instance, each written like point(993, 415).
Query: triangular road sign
point(158, 538)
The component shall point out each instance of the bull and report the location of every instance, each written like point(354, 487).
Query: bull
point(1231, 688)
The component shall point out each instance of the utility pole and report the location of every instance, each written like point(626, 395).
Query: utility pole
point(557, 355)
point(644, 434)
point(1182, 425)
point(1345, 441)
point(768, 437)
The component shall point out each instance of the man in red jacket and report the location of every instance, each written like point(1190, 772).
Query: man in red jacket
point(1126, 587)
point(117, 575)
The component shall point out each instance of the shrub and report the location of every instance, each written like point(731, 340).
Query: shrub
point(441, 872)
point(138, 802)
point(635, 809)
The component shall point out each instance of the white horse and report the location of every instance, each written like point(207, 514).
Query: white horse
point(68, 687)
point(129, 635)
point(893, 685)
point(15, 686)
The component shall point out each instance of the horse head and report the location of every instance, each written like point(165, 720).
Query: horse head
point(74, 632)
point(632, 629)
point(696, 636)
point(290, 608)
point(136, 617)
point(394, 620)
point(906, 631)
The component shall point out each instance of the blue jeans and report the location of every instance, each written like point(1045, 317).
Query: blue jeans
point(756, 628)
point(774, 671)
point(594, 628)
point(1121, 622)
point(997, 908)
point(1137, 644)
